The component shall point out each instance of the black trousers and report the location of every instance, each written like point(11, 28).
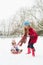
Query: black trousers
point(30, 45)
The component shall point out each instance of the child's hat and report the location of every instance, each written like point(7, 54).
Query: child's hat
point(26, 23)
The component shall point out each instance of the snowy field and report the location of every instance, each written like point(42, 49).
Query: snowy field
point(6, 58)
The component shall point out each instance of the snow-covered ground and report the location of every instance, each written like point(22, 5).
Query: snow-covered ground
point(6, 58)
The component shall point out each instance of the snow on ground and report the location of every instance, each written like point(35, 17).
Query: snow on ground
point(6, 58)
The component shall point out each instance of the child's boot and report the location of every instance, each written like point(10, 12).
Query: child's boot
point(29, 51)
point(33, 52)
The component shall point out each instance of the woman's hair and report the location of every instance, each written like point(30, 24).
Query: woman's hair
point(25, 32)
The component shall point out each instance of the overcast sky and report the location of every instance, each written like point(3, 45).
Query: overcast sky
point(9, 7)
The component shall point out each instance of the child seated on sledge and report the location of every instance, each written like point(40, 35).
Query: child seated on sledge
point(15, 49)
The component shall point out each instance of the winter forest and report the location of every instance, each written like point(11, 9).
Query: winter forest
point(14, 26)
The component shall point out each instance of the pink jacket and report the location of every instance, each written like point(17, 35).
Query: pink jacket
point(33, 36)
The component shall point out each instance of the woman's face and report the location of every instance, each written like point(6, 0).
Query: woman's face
point(27, 27)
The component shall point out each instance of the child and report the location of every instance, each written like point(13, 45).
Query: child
point(15, 49)
point(33, 37)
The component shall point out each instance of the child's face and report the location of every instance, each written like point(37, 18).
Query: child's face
point(13, 43)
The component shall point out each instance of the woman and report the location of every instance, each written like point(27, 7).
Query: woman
point(33, 37)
